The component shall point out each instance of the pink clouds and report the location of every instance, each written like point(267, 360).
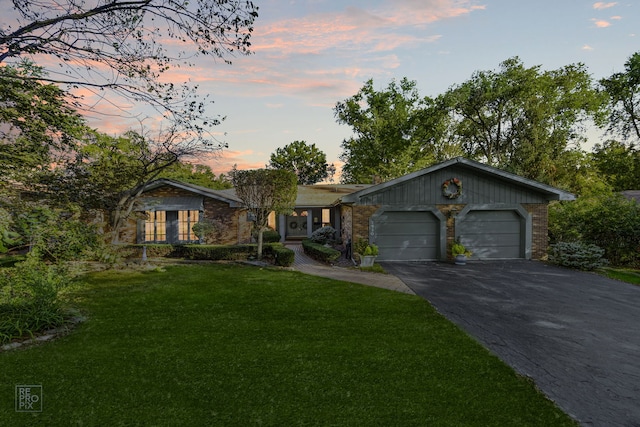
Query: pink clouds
point(600, 23)
point(601, 5)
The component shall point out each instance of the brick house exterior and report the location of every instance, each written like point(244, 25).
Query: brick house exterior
point(497, 215)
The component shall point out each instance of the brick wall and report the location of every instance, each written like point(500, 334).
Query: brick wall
point(232, 226)
point(355, 222)
point(540, 224)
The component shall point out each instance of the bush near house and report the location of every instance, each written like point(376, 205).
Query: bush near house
point(320, 252)
point(280, 255)
point(578, 255)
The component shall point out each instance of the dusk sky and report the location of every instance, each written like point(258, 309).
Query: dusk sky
point(311, 54)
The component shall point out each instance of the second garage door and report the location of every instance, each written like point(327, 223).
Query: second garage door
point(492, 234)
point(407, 236)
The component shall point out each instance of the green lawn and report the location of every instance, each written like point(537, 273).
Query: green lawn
point(239, 346)
point(624, 274)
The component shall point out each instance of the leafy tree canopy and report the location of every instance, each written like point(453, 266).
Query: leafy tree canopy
point(619, 164)
point(37, 125)
point(395, 132)
point(263, 191)
point(306, 161)
point(624, 97)
point(196, 174)
point(523, 119)
point(125, 46)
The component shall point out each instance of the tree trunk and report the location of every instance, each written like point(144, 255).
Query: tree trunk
point(260, 231)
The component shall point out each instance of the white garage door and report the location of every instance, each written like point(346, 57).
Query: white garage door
point(492, 234)
point(407, 236)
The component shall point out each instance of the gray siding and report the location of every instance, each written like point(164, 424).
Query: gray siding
point(478, 187)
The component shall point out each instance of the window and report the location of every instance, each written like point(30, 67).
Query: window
point(326, 217)
point(170, 226)
point(186, 220)
point(155, 226)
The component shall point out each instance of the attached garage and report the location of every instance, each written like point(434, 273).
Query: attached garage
point(494, 213)
point(410, 235)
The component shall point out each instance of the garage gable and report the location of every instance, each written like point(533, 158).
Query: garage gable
point(478, 184)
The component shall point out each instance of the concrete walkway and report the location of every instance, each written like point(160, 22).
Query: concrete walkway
point(306, 265)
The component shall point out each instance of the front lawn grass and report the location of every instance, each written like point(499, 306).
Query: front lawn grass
point(624, 274)
point(231, 345)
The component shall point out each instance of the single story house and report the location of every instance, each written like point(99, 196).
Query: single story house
point(495, 214)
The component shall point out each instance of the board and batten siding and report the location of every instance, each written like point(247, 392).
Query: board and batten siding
point(477, 188)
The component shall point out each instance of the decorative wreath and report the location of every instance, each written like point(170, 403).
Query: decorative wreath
point(293, 225)
point(450, 194)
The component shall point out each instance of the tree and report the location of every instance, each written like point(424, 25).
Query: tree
point(37, 125)
point(395, 132)
point(125, 47)
point(196, 174)
point(306, 161)
point(263, 191)
point(624, 99)
point(523, 119)
point(619, 164)
point(111, 173)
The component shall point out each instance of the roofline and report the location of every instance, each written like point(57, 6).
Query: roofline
point(561, 194)
point(203, 191)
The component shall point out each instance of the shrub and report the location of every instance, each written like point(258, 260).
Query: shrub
point(282, 256)
point(30, 297)
point(579, 255)
point(213, 252)
point(323, 235)
point(320, 252)
point(610, 221)
point(270, 236)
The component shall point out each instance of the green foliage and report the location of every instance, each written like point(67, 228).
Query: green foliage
point(268, 236)
point(623, 89)
point(524, 120)
point(371, 250)
point(56, 235)
point(271, 236)
point(607, 220)
point(30, 297)
point(306, 161)
point(8, 237)
point(323, 235)
point(578, 255)
point(395, 132)
point(25, 320)
point(212, 252)
point(618, 164)
point(320, 252)
point(282, 256)
point(204, 228)
point(196, 174)
point(458, 248)
point(39, 126)
point(362, 247)
point(263, 191)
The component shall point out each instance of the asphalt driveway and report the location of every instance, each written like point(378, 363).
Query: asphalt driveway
point(576, 334)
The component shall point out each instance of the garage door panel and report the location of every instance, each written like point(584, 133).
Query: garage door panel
point(410, 235)
point(492, 234)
